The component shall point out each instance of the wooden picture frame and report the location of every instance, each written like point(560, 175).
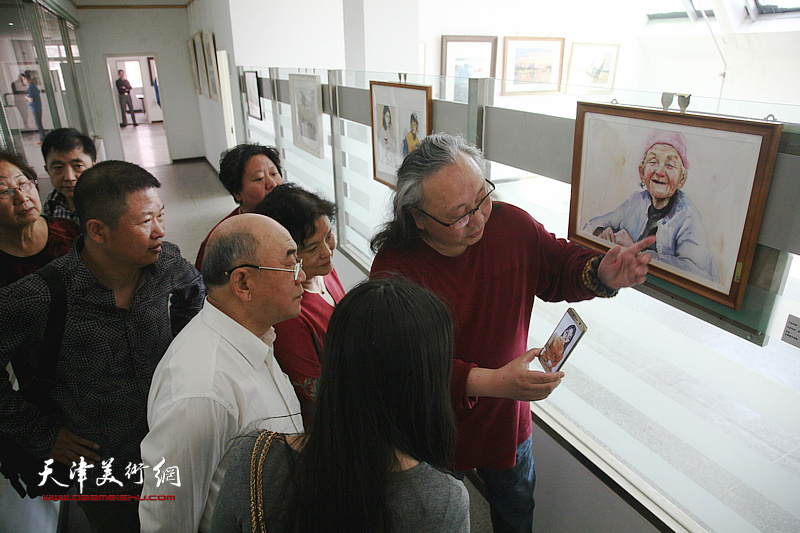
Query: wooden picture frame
point(253, 95)
point(464, 57)
point(532, 65)
point(592, 68)
point(699, 182)
point(200, 57)
point(394, 109)
point(305, 91)
point(151, 67)
point(210, 50)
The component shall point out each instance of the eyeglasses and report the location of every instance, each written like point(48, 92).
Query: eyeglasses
point(26, 187)
point(464, 219)
point(295, 269)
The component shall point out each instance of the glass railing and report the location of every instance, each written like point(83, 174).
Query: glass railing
point(692, 412)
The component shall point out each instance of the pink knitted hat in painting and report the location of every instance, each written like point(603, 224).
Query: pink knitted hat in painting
point(672, 138)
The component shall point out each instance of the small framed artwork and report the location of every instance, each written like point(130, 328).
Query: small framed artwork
point(211, 66)
point(401, 118)
point(697, 183)
point(464, 57)
point(306, 97)
point(253, 95)
point(532, 64)
point(200, 56)
point(592, 68)
point(151, 66)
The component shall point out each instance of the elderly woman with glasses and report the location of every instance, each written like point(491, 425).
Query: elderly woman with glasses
point(28, 241)
point(309, 219)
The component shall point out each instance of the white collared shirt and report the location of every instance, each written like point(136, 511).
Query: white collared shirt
point(217, 380)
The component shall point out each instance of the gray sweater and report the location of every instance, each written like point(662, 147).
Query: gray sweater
point(422, 498)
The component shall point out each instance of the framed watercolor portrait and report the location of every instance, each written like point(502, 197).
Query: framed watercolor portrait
point(308, 133)
point(401, 118)
point(464, 57)
point(698, 183)
point(592, 68)
point(200, 57)
point(532, 64)
point(210, 53)
point(253, 96)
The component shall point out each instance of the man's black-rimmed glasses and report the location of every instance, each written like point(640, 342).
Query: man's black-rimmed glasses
point(464, 219)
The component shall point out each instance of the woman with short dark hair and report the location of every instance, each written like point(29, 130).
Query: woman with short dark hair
point(309, 218)
point(375, 457)
point(249, 172)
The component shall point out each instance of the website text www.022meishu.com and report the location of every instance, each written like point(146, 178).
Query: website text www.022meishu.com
point(109, 497)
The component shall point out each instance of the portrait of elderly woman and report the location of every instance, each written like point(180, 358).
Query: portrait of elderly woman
point(662, 209)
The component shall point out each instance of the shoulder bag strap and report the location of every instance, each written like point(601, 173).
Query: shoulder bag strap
point(257, 480)
point(45, 372)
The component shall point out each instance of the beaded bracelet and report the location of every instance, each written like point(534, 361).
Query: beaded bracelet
point(592, 280)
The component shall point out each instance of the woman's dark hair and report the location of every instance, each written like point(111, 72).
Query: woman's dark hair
point(18, 161)
point(297, 210)
point(383, 116)
point(384, 388)
point(233, 162)
point(572, 336)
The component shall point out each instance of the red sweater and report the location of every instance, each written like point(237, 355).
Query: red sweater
point(490, 291)
point(202, 251)
point(60, 234)
point(295, 347)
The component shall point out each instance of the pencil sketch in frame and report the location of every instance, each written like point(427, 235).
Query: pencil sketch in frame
point(201, 63)
point(699, 183)
point(307, 127)
point(592, 68)
point(401, 118)
point(532, 64)
point(211, 66)
point(463, 57)
point(253, 95)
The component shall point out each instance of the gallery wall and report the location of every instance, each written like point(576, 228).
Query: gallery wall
point(214, 16)
point(159, 33)
point(673, 55)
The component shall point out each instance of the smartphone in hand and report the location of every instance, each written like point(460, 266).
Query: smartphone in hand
point(563, 340)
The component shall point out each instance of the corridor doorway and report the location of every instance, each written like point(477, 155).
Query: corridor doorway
point(146, 143)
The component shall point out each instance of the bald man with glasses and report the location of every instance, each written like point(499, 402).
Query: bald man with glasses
point(488, 261)
point(219, 377)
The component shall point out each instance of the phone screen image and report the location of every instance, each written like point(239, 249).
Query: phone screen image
point(563, 340)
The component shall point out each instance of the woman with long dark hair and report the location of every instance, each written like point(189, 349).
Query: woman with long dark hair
point(383, 436)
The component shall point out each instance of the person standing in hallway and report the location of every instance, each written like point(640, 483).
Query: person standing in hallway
point(124, 88)
point(34, 101)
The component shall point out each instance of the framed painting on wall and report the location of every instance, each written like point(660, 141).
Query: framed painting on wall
point(305, 91)
point(532, 64)
point(211, 66)
point(401, 118)
point(592, 68)
point(698, 183)
point(253, 95)
point(464, 57)
point(200, 56)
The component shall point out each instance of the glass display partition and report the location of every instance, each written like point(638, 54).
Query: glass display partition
point(701, 421)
